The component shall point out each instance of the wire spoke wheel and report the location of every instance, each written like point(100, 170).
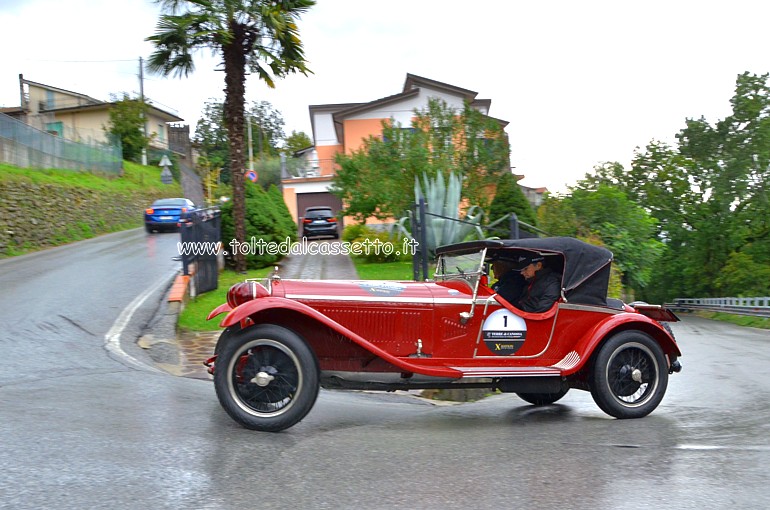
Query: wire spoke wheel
point(266, 378)
point(630, 375)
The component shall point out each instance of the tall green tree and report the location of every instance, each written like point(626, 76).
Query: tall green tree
point(709, 194)
point(211, 138)
point(556, 216)
point(297, 141)
point(213, 141)
point(256, 36)
point(624, 227)
point(377, 180)
point(126, 126)
point(606, 214)
point(509, 198)
point(266, 129)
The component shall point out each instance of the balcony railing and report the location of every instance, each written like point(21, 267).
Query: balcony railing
point(302, 169)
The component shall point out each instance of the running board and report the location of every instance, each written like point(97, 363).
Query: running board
point(507, 371)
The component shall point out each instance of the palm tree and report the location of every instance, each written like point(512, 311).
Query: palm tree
point(255, 36)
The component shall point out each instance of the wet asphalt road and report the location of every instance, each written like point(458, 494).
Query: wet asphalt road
point(86, 422)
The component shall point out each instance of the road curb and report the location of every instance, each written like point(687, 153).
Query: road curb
point(160, 337)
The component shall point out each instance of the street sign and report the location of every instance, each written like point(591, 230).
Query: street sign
point(165, 176)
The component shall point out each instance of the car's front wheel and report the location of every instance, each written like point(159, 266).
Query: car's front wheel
point(629, 376)
point(266, 378)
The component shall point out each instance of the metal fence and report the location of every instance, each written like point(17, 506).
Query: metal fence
point(202, 228)
point(755, 306)
point(24, 146)
point(515, 230)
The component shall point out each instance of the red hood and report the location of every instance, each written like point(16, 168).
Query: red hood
point(368, 290)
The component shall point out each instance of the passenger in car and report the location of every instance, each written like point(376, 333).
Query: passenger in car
point(526, 283)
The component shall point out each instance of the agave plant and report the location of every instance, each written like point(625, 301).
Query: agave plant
point(443, 224)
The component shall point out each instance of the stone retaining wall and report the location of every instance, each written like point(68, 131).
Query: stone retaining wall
point(34, 216)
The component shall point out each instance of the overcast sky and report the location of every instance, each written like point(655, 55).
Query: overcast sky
point(580, 82)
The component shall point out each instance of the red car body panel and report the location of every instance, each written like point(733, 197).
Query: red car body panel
point(287, 338)
point(385, 318)
point(329, 357)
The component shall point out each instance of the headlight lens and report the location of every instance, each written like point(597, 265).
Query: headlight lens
point(245, 291)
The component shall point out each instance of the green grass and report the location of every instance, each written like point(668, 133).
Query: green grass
point(401, 270)
point(193, 317)
point(135, 177)
point(739, 320)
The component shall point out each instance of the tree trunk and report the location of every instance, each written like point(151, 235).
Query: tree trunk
point(235, 89)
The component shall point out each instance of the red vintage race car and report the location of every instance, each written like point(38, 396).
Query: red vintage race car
point(284, 339)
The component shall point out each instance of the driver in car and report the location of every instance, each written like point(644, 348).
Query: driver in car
point(526, 283)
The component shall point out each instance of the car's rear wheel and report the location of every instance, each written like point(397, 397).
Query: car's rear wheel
point(629, 375)
point(266, 378)
point(542, 399)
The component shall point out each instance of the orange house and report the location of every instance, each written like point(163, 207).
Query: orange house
point(342, 128)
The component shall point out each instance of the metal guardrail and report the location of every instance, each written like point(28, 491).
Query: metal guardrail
point(754, 306)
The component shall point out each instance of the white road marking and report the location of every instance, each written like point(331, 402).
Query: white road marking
point(112, 338)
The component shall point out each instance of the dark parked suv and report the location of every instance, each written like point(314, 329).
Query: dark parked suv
point(319, 221)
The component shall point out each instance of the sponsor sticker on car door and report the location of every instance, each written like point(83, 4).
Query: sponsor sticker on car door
point(504, 333)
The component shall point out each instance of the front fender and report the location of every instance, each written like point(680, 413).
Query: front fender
point(586, 346)
point(223, 308)
point(246, 310)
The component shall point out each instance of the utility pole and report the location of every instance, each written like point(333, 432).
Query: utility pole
point(141, 98)
point(251, 149)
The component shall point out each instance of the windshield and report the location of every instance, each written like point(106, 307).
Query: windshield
point(468, 266)
point(180, 202)
point(319, 214)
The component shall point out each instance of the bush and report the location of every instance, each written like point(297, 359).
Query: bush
point(382, 247)
point(352, 232)
point(267, 218)
point(287, 223)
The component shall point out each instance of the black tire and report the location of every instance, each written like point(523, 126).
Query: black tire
point(667, 328)
point(224, 338)
point(266, 378)
point(542, 399)
point(629, 375)
point(148, 229)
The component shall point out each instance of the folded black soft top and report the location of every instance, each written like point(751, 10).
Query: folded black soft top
point(585, 267)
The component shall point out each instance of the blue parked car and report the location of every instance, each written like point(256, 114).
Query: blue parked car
point(165, 214)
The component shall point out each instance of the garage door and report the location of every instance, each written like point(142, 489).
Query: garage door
point(326, 199)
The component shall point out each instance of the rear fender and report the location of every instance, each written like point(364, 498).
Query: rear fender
point(241, 315)
point(588, 344)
